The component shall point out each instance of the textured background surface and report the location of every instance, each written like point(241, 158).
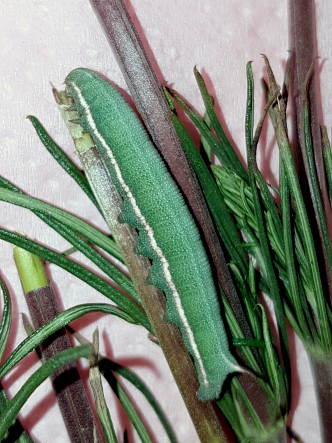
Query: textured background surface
point(41, 41)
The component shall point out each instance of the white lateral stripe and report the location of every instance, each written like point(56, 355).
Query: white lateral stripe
point(150, 233)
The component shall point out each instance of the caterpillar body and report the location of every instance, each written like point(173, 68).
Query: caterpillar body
point(153, 204)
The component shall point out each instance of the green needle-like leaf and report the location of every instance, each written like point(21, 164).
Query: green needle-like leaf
point(238, 335)
point(79, 271)
point(52, 326)
point(80, 244)
point(225, 143)
point(218, 149)
point(98, 394)
point(62, 158)
point(305, 233)
point(254, 175)
point(106, 366)
point(16, 430)
point(249, 127)
point(327, 159)
point(76, 224)
point(14, 406)
point(128, 407)
point(313, 182)
point(204, 144)
point(271, 357)
point(214, 198)
point(103, 264)
point(288, 229)
point(6, 318)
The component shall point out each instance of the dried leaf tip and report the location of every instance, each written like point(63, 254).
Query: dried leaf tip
point(273, 83)
point(306, 82)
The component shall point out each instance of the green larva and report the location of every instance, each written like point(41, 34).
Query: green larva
point(167, 233)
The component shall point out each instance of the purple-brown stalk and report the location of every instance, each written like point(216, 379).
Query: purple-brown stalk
point(303, 47)
point(150, 102)
point(302, 44)
point(69, 388)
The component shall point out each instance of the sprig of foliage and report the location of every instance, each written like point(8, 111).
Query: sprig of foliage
point(277, 235)
point(260, 360)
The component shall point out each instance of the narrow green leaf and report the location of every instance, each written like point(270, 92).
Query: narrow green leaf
point(170, 101)
point(288, 230)
point(228, 408)
point(251, 143)
point(128, 407)
point(103, 264)
point(6, 317)
point(327, 159)
point(237, 334)
point(270, 276)
point(238, 198)
point(80, 244)
point(98, 394)
point(219, 150)
point(96, 282)
point(16, 430)
point(14, 406)
point(313, 183)
point(52, 326)
point(64, 161)
point(76, 224)
point(249, 126)
point(271, 357)
point(107, 366)
point(305, 233)
point(239, 392)
point(214, 198)
point(312, 275)
point(204, 144)
point(224, 142)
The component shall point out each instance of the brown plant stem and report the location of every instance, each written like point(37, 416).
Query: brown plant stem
point(150, 101)
point(68, 386)
point(322, 372)
point(302, 44)
point(302, 41)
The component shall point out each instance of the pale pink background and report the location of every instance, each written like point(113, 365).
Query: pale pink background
point(41, 42)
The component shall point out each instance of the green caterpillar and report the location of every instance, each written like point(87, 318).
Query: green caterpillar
point(168, 235)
